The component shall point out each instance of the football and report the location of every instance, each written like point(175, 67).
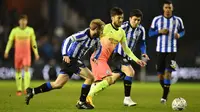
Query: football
point(179, 104)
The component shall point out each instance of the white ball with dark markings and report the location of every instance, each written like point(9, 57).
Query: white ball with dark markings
point(179, 104)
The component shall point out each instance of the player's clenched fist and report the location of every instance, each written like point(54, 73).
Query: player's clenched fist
point(177, 36)
point(5, 55)
point(163, 31)
point(141, 63)
point(37, 57)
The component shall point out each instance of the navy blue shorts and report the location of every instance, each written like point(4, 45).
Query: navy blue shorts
point(72, 67)
point(165, 61)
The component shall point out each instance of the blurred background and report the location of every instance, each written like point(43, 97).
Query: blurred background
point(55, 20)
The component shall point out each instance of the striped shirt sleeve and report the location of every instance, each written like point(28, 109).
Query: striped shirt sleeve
point(65, 45)
point(79, 36)
point(124, 25)
point(181, 29)
point(181, 26)
point(154, 22)
point(143, 33)
point(143, 39)
point(153, 31)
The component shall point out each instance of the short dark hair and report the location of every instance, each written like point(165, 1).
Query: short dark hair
point(116, 11)
point(23, 16)
point(167, 2)
point(136, 12)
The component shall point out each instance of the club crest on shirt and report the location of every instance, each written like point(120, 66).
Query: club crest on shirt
point(108, 72)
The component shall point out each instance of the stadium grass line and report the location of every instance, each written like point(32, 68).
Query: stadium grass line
point(147, 95)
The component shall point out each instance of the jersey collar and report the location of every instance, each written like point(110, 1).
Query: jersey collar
point(168, 17)
point(114, 27)
point(88, 33)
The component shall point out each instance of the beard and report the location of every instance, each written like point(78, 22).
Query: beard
point(117, 24)
point(96, 35)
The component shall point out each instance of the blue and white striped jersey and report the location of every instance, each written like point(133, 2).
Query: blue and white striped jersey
point(79, 43)
point(133, 36)
point(167, 43)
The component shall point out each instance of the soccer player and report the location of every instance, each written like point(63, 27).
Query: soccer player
point(135, 33)
point(23, 37)
point(168, 28)
point(112, 35)
point(73, 48)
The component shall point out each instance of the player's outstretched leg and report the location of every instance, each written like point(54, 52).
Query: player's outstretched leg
point(60, 81)
point(82, 104)
point(96, 89)
point(128, 79)
point(87, 75)
point(29, 95)
point(127, 90)
point(101, 86)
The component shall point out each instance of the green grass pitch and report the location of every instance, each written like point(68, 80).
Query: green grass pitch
point(147, 95)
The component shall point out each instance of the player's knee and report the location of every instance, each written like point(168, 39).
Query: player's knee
point(160, 76)
point(130, 73)
point(26, 69)
point(59, 87)
point(91, 78)
point(18, 70)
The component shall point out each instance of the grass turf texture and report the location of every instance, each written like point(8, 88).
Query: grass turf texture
point(147, 95)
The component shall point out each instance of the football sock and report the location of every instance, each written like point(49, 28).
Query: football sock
point(43, 88)
point(84, 92)
point(27, 79)
point(18, 78)
point(162, 83)
point(160, 76)
point(99, 86)
point(167, 84)
point(127, 85)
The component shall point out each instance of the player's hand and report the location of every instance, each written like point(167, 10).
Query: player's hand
point(163, 31)
point(6, 55)
point(37, 57)
point(146, 57)
point(141, 63)
point(66, 59)
point(177, 36)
